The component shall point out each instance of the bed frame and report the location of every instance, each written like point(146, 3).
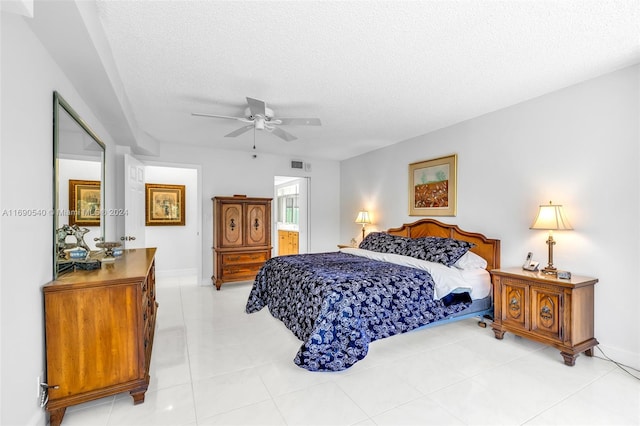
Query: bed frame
point(487, 248)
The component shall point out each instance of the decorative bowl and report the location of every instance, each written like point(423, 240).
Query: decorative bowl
point(78, 253)
point(108, 247)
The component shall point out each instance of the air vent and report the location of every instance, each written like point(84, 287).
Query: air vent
point(297, 164)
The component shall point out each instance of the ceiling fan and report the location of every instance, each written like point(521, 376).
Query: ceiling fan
point(259, 117)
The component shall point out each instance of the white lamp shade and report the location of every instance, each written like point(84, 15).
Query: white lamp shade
point(551, 217)
point(363, 217)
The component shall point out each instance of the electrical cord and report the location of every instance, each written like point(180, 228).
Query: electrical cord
point(619, 365)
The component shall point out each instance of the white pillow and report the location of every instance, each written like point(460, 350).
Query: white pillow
point(445, 279)
point(470, 260)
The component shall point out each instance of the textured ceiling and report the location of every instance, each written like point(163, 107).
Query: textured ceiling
point(374, 72)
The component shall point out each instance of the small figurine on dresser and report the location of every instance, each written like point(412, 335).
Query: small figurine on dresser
point(79, 233)
point(61, 240)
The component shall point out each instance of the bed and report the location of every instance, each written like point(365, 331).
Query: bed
point(418, 275)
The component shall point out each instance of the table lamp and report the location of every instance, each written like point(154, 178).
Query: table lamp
point(551, 218)
point(363, 219)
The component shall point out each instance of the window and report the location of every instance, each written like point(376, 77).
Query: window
point(288, 210)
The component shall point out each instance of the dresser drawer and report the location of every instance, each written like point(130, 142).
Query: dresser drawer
point(240, 271)
point(240, 258)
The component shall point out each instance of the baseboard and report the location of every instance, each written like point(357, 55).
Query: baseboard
point(39, 418)
point(619, 355)
point(173, 277)
point(163, 273)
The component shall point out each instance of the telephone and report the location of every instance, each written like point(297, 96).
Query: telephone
point(529, 263)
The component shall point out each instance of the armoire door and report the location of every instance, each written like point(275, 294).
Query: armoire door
point(231, 225)
point(257, 225)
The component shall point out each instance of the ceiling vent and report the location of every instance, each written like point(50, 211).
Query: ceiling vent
point(300, 165)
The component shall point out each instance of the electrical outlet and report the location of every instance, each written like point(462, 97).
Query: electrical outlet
point(42, 390)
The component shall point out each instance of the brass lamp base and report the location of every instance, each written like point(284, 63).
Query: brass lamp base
point(550, 269)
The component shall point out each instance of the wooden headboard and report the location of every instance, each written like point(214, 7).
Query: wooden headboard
point(485, 247)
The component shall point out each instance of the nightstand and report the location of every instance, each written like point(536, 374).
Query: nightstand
point(546, 309)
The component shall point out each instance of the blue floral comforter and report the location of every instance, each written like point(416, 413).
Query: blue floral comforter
point(337, 303)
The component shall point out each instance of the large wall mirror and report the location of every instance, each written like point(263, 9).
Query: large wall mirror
point(78, 186)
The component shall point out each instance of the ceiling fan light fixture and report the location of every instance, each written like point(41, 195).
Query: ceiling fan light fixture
point(259, 117)
point(268, 114)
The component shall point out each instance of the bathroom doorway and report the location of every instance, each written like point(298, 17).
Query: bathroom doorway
point(291, 215)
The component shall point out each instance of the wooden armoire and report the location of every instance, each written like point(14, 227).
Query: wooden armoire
point(241, 237)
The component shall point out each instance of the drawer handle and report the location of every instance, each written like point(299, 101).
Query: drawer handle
point(256, 224)
point(233, 258)
point(232, 225)
point(545, 313)
point(514, 304)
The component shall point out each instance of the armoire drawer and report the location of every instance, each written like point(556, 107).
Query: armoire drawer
point(240, 258)
point(240, 271)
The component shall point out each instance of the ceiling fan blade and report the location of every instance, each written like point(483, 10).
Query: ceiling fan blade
point(202, 114)
point(300, 121)
point(282, 134)
point(257, 107)
point(239, 131)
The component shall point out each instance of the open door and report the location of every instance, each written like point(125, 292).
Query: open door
point(134, 201)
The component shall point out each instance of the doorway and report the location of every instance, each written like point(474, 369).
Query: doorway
point(291, 215)
point(180, 249)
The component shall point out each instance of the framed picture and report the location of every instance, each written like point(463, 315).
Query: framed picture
point(164, 205)
point(432, 187)
point(84, 202)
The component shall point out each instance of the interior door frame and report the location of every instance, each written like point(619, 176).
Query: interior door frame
point(201, 280)
point(304, 211)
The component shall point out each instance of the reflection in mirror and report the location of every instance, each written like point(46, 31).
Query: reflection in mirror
point(78, 197)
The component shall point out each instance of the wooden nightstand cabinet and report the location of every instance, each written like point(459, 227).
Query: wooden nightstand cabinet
point(546, 309)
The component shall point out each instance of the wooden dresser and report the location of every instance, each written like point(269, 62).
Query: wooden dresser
point(99, 329)
point(241, 237)
point(541, 307)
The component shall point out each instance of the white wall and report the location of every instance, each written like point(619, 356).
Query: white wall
point(577, 147)
point(226, 173)
point(28, 78)
point(178, 246)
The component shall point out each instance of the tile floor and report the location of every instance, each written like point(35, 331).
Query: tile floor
point(213, 364)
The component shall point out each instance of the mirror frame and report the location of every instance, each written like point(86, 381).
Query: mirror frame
point(59, 102)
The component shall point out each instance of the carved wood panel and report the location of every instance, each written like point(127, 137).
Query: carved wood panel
point(545, 313)
point(256, 226)
point(515, 300)
point(231, 226)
